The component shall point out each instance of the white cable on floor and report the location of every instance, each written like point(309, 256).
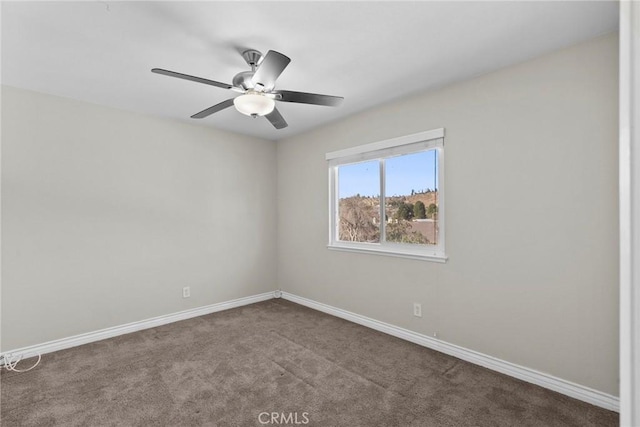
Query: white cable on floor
point(10, 363)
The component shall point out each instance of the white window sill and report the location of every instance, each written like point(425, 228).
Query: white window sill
point(377, 250)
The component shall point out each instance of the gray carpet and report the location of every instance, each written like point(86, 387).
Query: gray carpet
point(226, 368)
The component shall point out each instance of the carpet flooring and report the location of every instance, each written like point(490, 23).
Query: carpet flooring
point(237, 367)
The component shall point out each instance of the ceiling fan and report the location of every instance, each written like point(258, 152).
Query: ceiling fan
point(257, 89)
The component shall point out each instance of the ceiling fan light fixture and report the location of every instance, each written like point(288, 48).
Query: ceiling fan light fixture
point(254, 104)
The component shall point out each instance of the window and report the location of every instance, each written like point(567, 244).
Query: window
point(388, 197)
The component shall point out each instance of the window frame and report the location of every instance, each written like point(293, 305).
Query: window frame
point(382, 150)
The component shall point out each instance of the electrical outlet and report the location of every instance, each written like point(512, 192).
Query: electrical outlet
point(417, 309)
point(186, 292)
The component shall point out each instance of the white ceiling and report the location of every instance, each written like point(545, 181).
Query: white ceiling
point(369, 52)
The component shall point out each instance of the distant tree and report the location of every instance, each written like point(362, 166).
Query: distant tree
point(357, 220)
point(432, 211)
point(419, 210)
point(413, 192)
point(405, 211)
point(401, 232)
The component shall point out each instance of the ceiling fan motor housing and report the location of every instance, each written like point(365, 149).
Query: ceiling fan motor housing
point(243, 80)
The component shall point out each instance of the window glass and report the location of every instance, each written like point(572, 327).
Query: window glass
point(359, 202)
point(411, 198)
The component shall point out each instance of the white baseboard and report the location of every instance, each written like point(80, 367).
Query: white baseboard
point(568, 388)
point(115, 331)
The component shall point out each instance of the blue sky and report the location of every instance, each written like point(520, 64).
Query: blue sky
point(404, 173)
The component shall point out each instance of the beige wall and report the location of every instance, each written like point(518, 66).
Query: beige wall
point(106, 215)
point(532, 239)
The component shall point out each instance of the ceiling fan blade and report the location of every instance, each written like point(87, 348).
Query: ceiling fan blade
point(270, 69)
point(276, 119)
point(307, 98)
point(192, 78)
point(209, 111)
